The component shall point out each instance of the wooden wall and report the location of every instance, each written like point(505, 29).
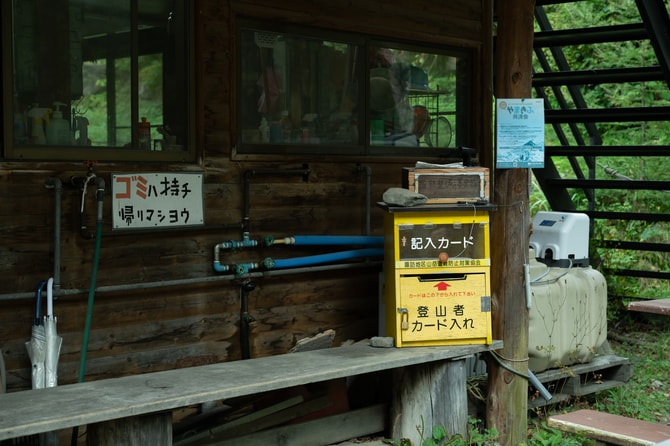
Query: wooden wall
point(140, 324)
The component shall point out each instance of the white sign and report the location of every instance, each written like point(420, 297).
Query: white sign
point(520, 133)
point(157, 200)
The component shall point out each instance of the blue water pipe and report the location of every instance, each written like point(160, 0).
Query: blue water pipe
point(298, 240)
point(318, 259)
point(246, 242)
point(243, 268)
point(330, 240)
point(326, 258)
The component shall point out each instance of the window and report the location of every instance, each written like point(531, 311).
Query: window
point(97, 79)
point(307, 91)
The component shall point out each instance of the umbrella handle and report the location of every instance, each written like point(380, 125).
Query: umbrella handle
point(50, 297)
point(38, 303)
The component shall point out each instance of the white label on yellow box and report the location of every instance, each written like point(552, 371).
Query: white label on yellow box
point(427, 239)
point(438, 307)
point(455, 263)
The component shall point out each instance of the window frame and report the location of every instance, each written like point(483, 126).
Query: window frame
point(363, 148)
point(46, 152)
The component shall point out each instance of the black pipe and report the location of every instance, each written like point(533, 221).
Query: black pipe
point(57, 185)
point(82, 183)
point(83, 227)
point(245, 318)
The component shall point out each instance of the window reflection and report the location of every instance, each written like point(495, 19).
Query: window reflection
point(300, 93)
point(412, 98)
point(298, 90)
point(92, 69)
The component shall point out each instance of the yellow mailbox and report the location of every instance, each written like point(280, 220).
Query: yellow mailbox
point(437, 274)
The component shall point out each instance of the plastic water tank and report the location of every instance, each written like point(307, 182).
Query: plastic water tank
point(568, 315)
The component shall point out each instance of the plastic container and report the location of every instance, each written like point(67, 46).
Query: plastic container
point(58, 131)
point(144, 134)
point(38, 117)
point(568, 315)
point(286, 126)
point(19, 128)
point(264, 130)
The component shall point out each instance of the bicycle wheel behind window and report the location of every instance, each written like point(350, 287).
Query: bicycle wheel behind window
point(439, 133)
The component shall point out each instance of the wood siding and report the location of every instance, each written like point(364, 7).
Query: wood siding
point(150, 322)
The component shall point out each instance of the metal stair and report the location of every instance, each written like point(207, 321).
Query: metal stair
point(576, 124)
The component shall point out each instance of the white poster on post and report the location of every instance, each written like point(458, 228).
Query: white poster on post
point(157, 200)
point(519, 133)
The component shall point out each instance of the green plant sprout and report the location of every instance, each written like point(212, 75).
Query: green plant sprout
point(440, 437)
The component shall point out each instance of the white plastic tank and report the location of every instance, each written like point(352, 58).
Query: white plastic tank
point(568, 315)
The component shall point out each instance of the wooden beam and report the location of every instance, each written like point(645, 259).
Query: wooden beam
point(507, 403)
point(429, 395)
point(155, 428)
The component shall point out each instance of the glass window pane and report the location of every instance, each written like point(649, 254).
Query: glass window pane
point(120, 107)
point(412, 98)
point(93, 98)
point(298, 90)
point(45, 75)
point(307, 91)
point(151, 91)
point(107, 65)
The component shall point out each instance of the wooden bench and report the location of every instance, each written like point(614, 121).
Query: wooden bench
point(610, 429)
point(656, 306)
point(139, 406)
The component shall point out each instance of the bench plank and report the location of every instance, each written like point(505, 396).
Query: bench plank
point(318, 432)
point(656, 306)
point(98, 401)
point(614, 429)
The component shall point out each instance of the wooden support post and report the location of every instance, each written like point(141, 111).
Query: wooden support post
point(155, 428)
point(507, 403)
point(429, 395)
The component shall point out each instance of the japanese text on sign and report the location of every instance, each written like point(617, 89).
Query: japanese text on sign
point(149, 200)
point(463, 240)
point(442, 242)
point(442, 318)
point(437, 263)
point(520, 133)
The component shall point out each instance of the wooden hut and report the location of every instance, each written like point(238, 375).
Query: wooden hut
point(269, 118)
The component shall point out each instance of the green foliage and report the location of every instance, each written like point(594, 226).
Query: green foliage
point(645, 396)
point(637, 53)
point(478, 435)
point(547, 436)
point(602, 96)
point(437, 437)
point(440, 437)
point(95, 106)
